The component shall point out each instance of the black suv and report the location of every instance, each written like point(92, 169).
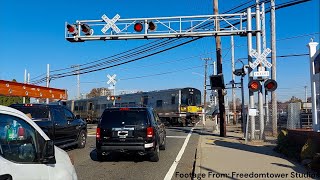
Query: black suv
point(130, 129)
point(58, 122)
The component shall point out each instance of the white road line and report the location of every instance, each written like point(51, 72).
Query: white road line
point(91, 135)
point(176, 162)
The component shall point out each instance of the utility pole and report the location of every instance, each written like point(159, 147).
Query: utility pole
point(78, 80)
point(274, 68)
point(205, 90)
point(25, 81)
point(306, 95)
point(234, 106)
point(48, 80)
point(223, 130)
point(215, 128)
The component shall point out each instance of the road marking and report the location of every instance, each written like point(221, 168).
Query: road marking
point(91, 135)
point(176, 162)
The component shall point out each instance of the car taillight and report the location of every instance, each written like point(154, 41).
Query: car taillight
point(150, 132)
point(98, 134)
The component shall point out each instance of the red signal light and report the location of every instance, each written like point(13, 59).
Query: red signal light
point(72, 29)
point(270, 85)
point(152, 26)
point(138, 27)
point(254, 85)
point(86, 29)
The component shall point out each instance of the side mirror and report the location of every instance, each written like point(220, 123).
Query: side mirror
point(78, 116)
point(48, 153)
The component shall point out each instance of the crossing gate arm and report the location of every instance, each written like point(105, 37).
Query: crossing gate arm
point(10, 88)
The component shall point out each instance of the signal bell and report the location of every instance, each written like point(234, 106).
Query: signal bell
point(270, 85)
point(254, 85)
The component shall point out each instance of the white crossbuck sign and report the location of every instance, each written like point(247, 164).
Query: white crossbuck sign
point(110, 23)
point(260, 58)
point(112, 79)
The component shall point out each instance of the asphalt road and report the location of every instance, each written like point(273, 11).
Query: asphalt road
point(123, 166)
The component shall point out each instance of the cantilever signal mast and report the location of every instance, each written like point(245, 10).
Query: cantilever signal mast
point(116, 28)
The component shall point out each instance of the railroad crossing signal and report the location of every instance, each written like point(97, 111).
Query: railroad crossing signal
point(113, 98)
point(110, 23)
point(270, 85)
point(260, 58)
point(112, 79)
point(254, 85)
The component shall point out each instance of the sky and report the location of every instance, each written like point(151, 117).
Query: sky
point(33, 35)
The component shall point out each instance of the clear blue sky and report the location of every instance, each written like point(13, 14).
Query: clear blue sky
point(32, 36)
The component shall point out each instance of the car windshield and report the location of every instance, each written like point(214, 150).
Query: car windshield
point(117, 118)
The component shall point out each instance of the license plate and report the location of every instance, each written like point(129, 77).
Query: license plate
point(123, 134)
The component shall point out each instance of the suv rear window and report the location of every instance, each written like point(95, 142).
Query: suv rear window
point(117, 118)
point(37, 112)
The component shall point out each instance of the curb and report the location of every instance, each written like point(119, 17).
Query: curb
point(197, 159)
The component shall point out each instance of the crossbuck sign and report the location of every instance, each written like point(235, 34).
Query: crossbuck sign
point(260, 58)
point(112, 79)
point(110, 23)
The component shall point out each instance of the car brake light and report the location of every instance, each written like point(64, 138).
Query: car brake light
point(124, 109)
point(150, 132)
point(98, 134)
point(28, 104)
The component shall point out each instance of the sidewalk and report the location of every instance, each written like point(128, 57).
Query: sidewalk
point(229, 158)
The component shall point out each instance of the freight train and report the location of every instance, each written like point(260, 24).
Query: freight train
point(179, 106)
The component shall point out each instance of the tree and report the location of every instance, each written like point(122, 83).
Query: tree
point(95, 92)
point(8, 100)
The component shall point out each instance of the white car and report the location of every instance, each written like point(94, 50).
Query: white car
point(26, 152)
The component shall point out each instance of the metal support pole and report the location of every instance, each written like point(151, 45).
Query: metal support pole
point(250, 77)
point(25, 81)
point(305, 94)
point(274, 68)
point(242, 107)
point(205, 90)
point(234, 106)
point(260, 93)
point(223, 129)
point(264, 46)
point(315, 120)
point(78, 82)
point(48, 80)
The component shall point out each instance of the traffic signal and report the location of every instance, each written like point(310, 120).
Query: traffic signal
point(152, 26)
point(217, 82)
point(72, 29)
point(270, 85)
point(254, 85)
point(113, 98)
point(86, 29)
point(138, 27)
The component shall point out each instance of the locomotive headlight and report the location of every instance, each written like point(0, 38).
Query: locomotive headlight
point(183, 108)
